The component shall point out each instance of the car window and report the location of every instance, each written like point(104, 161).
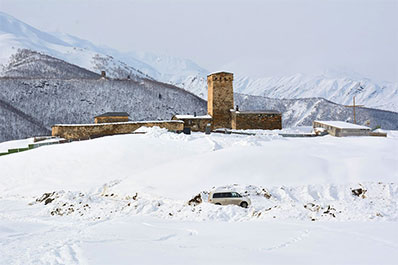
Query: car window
point(226, 195)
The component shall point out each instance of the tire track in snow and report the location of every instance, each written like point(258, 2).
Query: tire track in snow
point(287, 243)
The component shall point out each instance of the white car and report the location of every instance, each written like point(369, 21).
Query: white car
point(228, 197)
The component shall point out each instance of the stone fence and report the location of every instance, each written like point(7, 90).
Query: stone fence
point(87, 131)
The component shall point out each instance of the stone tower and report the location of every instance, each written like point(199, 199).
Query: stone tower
point(220, 99)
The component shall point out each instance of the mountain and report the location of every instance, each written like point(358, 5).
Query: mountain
point(340, 89)
point(301, 112)
point(66, 93)
point(54, 101)
point(38, 91)
point(14, 35)
point(32, 64)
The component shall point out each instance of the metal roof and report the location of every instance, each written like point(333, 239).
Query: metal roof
point(113, 114)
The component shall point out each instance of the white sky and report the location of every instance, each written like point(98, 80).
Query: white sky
point(250, 37)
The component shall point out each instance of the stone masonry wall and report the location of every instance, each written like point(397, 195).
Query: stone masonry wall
point(264, 121)
point(110, 119)
point(87, 131)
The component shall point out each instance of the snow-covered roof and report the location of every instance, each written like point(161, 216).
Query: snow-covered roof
point(344, 125)
point(255, 111)
point(220, 72)
point(185, 117)
point(117, 123)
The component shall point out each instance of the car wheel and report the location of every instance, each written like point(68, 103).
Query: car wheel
point(244, 204)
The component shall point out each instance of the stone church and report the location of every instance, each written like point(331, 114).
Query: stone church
point(221, 111)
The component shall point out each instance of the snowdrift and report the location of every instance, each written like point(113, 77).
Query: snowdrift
point(159, 172)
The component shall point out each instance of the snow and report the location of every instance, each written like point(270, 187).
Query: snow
point(344, 125)
point(120, 199)
point(4, 146)
point(182, 117)
point(116, 123)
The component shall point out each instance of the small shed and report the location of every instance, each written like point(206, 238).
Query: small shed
point(110, 117)
point(256, 119)
point(194, 122)
point(341, 128)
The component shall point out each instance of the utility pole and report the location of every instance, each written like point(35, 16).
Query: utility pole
point(353, 106)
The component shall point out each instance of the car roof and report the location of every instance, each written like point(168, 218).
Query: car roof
point(222, 191)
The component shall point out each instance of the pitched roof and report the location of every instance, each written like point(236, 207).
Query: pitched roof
point(113, 114)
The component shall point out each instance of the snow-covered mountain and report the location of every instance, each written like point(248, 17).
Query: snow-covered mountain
point(14, 35)
point(66, 93)
point(337, 88)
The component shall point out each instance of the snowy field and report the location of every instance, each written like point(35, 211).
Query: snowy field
point(127, 200)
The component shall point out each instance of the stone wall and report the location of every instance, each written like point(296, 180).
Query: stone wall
point(110, 119)
point(220, 99)
point(253, 120)
point(87, 131)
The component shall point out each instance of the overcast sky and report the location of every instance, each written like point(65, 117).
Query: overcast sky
point(252, 37)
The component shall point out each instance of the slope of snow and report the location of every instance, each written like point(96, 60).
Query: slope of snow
point(213, 161)
point(120, 199)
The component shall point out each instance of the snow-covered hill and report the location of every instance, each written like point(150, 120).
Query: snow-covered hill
point(120, 199)
point(53, 101)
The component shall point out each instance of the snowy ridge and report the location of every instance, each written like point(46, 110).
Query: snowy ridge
point(306, 203)
point(14, 35)
point(340, 89)
point(32, 64)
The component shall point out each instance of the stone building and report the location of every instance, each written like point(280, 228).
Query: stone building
point(341, 128)
point(221, 112)
point(195, 123)
point(110, 117)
